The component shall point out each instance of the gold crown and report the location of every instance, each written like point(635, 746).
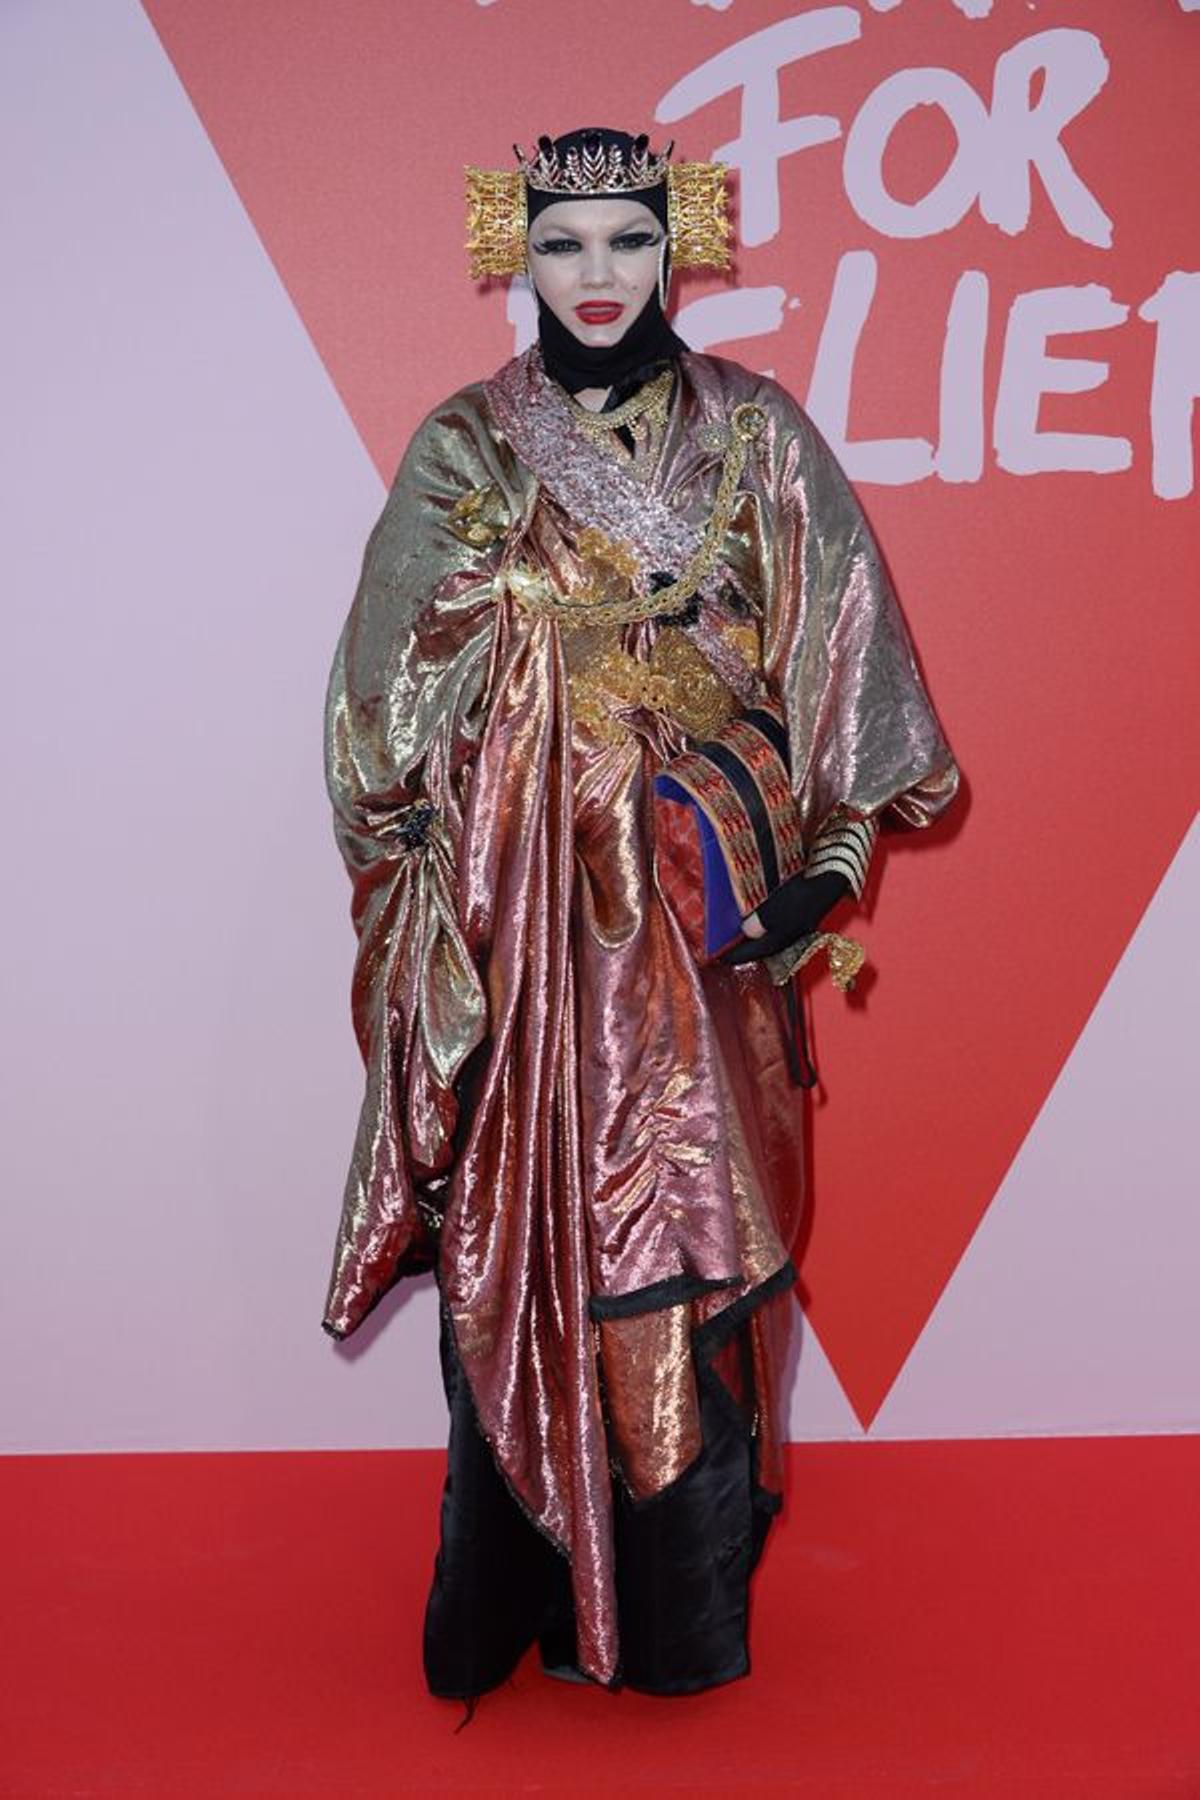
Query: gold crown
point(697, 214)
point(593, 169)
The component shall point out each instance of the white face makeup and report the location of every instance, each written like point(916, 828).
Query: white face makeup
point(595, 264)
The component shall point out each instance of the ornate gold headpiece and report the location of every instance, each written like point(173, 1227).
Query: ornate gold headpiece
point(697, 215)
point(498, 217)
point(497, 222)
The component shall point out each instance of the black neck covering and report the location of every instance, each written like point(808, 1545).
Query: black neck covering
point(646, 346)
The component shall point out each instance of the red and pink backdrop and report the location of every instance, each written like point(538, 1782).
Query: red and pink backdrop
point(967, 238)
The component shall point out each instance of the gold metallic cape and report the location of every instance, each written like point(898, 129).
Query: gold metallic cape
point(609, 1129)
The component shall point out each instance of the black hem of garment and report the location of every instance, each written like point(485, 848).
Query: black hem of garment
point(438, 1693)
point(609, 1687)
point(708, 1338)
point(681, 1690)
point(657, 1295)
point(495, 1652)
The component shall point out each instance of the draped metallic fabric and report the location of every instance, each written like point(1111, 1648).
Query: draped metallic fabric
point(608, 1129)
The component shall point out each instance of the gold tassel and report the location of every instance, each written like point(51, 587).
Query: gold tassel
point(846, 958)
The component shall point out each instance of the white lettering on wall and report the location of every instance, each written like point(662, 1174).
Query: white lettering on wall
point(960, 395)
point(722, 318)
point(1000, 141)
point(952, 196)
point(970, 9)
point(1175, 387)
point(764, 139)
point(993, 158)
point(1025, 137)
point(1028, 371)
point(888, 460)
point(995, 152)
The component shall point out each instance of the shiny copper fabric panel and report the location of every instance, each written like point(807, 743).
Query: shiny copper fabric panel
point(864, 734)
point(770, 1331)
point(653, 1405)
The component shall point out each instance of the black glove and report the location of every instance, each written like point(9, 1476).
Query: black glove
point(792, 912)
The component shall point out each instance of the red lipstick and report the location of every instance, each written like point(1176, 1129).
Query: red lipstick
point(599, 312)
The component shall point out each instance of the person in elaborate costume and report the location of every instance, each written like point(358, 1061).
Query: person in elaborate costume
point(588, 566)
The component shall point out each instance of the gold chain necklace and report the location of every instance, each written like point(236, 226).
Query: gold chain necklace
point(653, 400)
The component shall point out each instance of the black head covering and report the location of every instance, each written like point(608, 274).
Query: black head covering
point(649, 343)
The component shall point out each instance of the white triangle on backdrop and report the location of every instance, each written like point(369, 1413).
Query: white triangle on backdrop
point(817, 1407)
point(187, 507)
point(1074, 1309)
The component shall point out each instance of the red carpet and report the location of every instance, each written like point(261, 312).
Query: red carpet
point(1006, 1618)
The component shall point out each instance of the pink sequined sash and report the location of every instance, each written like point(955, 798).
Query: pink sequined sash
point(586, 482)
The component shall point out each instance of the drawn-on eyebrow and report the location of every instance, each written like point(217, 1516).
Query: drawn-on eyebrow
point(633, 225)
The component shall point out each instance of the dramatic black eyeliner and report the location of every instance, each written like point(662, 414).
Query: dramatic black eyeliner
point(625, 240)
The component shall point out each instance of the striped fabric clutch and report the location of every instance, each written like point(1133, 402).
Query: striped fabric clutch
point(727, 829)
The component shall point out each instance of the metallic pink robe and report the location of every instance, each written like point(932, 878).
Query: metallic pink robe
point(628, 1169)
